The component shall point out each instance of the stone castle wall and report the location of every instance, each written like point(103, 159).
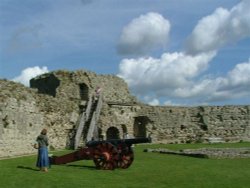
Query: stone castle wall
point(58, 98)
point(67, 85)
point(24, 113)
point(198, 124)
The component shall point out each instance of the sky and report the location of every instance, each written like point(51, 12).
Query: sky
point(180, 53)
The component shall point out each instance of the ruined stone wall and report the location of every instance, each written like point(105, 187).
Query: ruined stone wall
point(181, 124)
point(20, 120)
point(113, 88)
point(24, 113)
point(119, 116)
point(197, 124)
point(56, 104)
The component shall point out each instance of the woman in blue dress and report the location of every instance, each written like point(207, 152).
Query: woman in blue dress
point(43, 158)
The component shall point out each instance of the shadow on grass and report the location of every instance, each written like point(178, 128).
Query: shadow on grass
point(27, 168)
point(82, 166)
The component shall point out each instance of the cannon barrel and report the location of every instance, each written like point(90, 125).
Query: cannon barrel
point(117, 142)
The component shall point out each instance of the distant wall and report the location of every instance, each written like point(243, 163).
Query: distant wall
point(197, 124)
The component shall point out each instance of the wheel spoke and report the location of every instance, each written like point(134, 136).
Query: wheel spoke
point(105, 156)
point(126, 156)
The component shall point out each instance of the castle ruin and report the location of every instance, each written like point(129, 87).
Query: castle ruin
point(64, 102)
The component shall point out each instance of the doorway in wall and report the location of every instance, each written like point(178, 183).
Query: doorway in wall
point(140, 126)
point(112, 133)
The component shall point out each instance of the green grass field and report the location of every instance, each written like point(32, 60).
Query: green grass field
point(151, 170)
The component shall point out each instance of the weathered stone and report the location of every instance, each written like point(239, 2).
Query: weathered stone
point(57, 99)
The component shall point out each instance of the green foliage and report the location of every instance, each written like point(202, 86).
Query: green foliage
point(148, 170)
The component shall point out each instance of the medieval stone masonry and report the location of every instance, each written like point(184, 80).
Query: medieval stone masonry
point(63, 101)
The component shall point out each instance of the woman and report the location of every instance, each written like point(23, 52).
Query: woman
point(43, 158)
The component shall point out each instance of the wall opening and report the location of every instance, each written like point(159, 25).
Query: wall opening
point(84, 91)
point(124, 129)
point(112, 133)
point(140, 126)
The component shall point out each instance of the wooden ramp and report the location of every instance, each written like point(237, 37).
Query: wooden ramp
point(88, 121)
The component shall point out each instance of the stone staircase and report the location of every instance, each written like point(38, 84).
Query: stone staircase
point(87, 127)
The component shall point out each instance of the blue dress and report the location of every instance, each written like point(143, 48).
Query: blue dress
point(42, 158)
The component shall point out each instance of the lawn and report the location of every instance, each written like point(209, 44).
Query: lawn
point(148, 170)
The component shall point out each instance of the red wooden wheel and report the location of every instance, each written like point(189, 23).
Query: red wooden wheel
point(126, 156)
point(105, 156)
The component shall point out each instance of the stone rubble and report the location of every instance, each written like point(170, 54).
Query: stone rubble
point(217, 153)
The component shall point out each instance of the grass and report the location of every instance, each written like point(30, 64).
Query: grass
point(148, 170)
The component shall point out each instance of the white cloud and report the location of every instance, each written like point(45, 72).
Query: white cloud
point(174, 81)
point(143, 34)
point(153, 102)
point(235, 84)
point(29, 73)
point(220, 28)
point(240, 75)
point(170, 103)
point(180, 75)
point(161, 75)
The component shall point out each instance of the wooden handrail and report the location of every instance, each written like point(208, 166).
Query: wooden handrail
point(93, 130)
point(83, 119)
point(79, 130)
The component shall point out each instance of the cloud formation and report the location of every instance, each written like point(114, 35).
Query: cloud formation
point(235, 84)
point(172, 70)
point(181, 76)
point(29, 73)
point(143, 34)
point(220, 28)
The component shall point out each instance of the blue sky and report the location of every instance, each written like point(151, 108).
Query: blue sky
point(182, 52)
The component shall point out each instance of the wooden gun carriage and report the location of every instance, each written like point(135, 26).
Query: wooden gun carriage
point(106, 154)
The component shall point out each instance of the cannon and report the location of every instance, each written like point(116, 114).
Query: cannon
point(106, 154)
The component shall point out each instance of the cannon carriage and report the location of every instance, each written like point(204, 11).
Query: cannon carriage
point(106, 154)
